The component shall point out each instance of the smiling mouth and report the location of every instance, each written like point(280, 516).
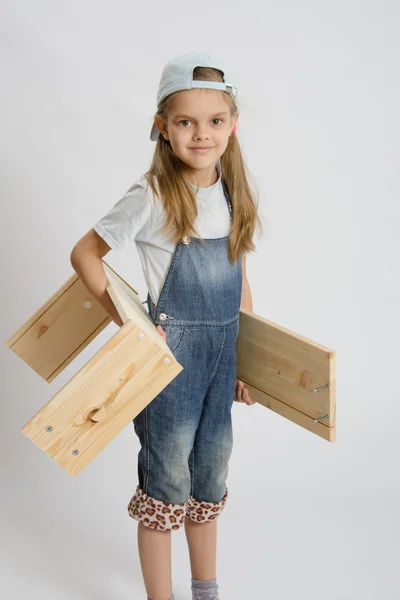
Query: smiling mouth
point(205, 149)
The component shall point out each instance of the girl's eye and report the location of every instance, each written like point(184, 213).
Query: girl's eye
point(187, 121)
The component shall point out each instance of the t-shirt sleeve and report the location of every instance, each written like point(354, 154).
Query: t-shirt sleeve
point(126, 219)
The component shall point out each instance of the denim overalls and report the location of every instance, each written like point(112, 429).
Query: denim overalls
point(186, 430)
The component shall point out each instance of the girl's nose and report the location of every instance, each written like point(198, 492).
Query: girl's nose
point(202, 135)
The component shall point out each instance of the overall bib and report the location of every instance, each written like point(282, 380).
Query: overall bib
point(186, 430)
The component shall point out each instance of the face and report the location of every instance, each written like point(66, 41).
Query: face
point(198, 128)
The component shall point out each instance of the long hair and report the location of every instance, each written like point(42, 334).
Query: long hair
point(178, 198)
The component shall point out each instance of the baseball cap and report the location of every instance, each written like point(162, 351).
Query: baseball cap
point(178, 75)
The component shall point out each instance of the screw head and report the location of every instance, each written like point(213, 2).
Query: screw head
point(75, 452)
point(49, 428)
point(87, 304)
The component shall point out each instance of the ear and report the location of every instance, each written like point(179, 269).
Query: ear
point(161, 125)
point(234, 120)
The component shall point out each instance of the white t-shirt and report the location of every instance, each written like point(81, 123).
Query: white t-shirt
point(138, 217)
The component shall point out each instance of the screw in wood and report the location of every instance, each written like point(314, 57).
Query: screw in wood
point(320, 418)
point(323, 387)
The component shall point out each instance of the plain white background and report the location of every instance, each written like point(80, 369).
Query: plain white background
point(319, 128)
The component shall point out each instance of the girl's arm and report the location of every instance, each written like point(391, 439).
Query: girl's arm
point(247, 300)
point(86, 260)
point(241, 392)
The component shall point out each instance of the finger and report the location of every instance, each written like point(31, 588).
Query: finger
point(245, 397)
point(237, 394)
point(162, 332)
point(240, 395)
point(248, 399)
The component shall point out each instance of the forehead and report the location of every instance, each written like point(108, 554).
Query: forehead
point(198, 102)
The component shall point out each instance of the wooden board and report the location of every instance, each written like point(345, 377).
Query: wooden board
point(64, 325)
point(111, 388)
point(103, 397)
point(60, 329)
point(287, 373)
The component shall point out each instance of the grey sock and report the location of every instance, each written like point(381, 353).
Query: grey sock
point(205, 590)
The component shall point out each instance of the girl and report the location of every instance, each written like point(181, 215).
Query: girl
point(197, 283)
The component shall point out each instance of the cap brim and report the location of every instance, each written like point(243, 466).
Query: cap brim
point(154, 133)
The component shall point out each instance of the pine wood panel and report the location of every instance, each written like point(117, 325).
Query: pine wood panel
point(281, 370)
point(103, 397)
point(60, 329)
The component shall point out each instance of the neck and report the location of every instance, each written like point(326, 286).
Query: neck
point(203, 179)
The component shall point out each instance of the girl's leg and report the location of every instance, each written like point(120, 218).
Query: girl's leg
point(155, 559)
point(209, 465)
point(202, 543)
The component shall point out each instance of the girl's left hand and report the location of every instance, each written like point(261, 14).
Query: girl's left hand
point(242, 394)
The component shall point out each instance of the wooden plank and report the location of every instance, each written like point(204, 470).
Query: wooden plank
point(287, 372)
point(128, 304)
point(60, 329)
point(109, 269)
point(127, 301)
point(64, 325)
point(103, 397)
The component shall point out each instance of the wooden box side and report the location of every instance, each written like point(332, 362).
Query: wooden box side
point(288, 373)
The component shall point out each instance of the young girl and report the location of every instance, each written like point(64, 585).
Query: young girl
point(192, 217)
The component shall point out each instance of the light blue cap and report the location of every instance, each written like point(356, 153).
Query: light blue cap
point(178, 75)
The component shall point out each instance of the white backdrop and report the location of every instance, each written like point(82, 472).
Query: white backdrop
point(319, 126)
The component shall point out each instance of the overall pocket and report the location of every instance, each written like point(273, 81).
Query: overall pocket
point(175, 337)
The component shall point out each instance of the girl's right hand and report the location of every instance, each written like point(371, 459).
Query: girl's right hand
point(162, 332)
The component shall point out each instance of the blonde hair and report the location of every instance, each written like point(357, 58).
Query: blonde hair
point(178, 197)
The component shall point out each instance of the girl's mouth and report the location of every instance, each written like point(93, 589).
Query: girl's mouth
point(201, 150)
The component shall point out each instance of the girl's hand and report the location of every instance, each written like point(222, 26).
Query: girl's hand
point(162, 332)
point(242, 394)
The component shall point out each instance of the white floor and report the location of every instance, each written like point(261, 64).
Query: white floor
point(327, 547)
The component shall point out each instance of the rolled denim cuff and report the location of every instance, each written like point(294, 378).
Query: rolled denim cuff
point(202, 512)
point(154, 513)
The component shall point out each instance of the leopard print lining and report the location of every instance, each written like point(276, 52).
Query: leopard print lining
point(164, 516)
point(156, 514)
point(201, 512)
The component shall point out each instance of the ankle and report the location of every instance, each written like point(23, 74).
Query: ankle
point(205, 590)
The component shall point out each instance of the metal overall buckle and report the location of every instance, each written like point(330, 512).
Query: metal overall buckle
point(185, 240)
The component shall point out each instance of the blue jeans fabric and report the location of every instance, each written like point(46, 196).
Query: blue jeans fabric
point(186, 430)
